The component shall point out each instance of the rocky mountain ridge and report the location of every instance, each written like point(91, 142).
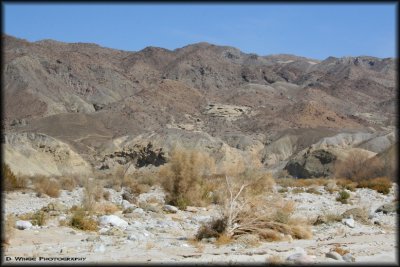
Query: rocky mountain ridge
point(238, 106)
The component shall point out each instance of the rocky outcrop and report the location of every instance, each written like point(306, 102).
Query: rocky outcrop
point(318, 163)
point(38, 154)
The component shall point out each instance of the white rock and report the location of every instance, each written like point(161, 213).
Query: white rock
point(300, 258)
point(349, 222)
point(126, 204)
point(171, 209)
point(114, 221)
point(334, 255)
point(23, 225)
point(138, 211)
point(349, 258)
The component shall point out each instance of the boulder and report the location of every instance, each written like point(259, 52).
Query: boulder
point(389, 208)
point(170, 209)
point(349, 257)
point(319, 163)
point(23, 225)
point(349, 222)
point(113, 220)
point(334, 255)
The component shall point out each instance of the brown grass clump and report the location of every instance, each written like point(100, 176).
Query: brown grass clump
point(284, 213)
point(182, 177)
point(340, 250)
point(45, 185)
point(81, 220)
point(302, 182)
point(346, 184)
point(105, 208)
point(8, 229)
point(223, 239)
point(93, 192)
point(68, 183)
point(275, 260)
point(11, 181)
point(214, 228)
point(380, 184)
point(107, 195)
point(198, 245)
point(39, 218)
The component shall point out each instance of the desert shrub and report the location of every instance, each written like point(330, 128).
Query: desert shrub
point(283, 214)
point(82, 220)
point(346, 184)
point(340, 250)
point(39, 218)
point(182, 177)
point(297, 190)
point(93, 192)
point(107, 195)
point(380, 184)
point(105, 208)
point(214, 228)
point(11, 181)
point(8, 229)
point(358, 166)
point(45, 185)
point(343, 197)
point(68, 183)
point(302, 182)
point(313, 190)
point(327, 218)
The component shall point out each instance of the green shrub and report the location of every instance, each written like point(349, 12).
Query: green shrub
point(343, 197)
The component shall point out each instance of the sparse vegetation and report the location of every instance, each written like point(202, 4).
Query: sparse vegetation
point(8, 229)
point(48, 186)
point(82, 220)
point(11, 181)
point(343, 197)
point(248, 211)
point(358, 166)
point(68, 183)
point(182, 177)
point(379, 184)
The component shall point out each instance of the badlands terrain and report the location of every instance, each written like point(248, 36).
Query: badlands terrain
point(323, 130)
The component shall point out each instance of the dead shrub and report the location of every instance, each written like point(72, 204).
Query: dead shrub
point(358, 166)
point(214, 228)
point(93, 192)
point(11, 181)
point(8, 229)
point(346, 184)
point(81, 220)
point(107, 195)
point(340, 250)
point(302, 182)
point(39, 218)
point(223, 239)
point(105, 208)
point(48, 186)
point(284, 213)
point(68, 183)
point(380, 184)
point(182, 177)
point(313, 190)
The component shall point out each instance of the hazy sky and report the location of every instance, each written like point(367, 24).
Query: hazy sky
point(311, 30)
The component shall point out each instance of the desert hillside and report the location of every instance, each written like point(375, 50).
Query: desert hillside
point(75, 104)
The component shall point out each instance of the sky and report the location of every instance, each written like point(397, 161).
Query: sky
point(311, 30)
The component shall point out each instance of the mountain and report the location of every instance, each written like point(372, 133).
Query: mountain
point(93, 99)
